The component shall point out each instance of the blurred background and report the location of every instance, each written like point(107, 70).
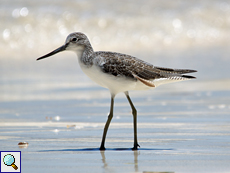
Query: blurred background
point(177, 34)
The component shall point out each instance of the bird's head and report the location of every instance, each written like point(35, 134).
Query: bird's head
point(76, 42)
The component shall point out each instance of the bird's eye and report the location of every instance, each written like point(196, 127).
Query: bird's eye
point(74, 39)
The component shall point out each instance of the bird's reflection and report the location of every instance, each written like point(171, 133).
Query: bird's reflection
point(136, 153)
point(135, 161)
point(105, 165)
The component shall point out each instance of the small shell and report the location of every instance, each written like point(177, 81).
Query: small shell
point(23, 144)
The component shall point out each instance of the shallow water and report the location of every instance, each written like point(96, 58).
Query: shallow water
point(52, 105)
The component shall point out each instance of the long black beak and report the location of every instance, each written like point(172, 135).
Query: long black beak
point(60, 49)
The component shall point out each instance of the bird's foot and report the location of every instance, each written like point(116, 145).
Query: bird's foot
point(135, 147)
point(102, 148)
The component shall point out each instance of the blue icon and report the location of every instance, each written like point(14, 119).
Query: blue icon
point(9, 160)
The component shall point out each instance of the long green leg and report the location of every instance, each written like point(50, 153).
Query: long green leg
point(134, 112)
point(107, 123)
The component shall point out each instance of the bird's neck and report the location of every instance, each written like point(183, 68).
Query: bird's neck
point(86, 55)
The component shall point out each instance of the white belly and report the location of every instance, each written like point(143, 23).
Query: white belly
point(115, 84)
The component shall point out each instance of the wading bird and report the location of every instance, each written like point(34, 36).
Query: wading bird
point(119, 73)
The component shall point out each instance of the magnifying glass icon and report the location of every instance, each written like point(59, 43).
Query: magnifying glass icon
point(9, 160)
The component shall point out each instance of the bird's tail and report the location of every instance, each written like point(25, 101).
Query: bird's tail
point(176, 71)
point(188, 77)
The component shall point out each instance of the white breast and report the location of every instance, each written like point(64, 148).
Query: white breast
point(115, 84)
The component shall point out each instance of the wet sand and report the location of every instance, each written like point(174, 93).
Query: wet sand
point(182, 129)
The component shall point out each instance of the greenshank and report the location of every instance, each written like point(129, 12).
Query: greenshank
point(119, 73)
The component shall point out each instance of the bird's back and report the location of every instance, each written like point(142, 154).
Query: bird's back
point(118, 64)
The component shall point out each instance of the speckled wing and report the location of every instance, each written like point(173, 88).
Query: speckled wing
point(125, 65)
